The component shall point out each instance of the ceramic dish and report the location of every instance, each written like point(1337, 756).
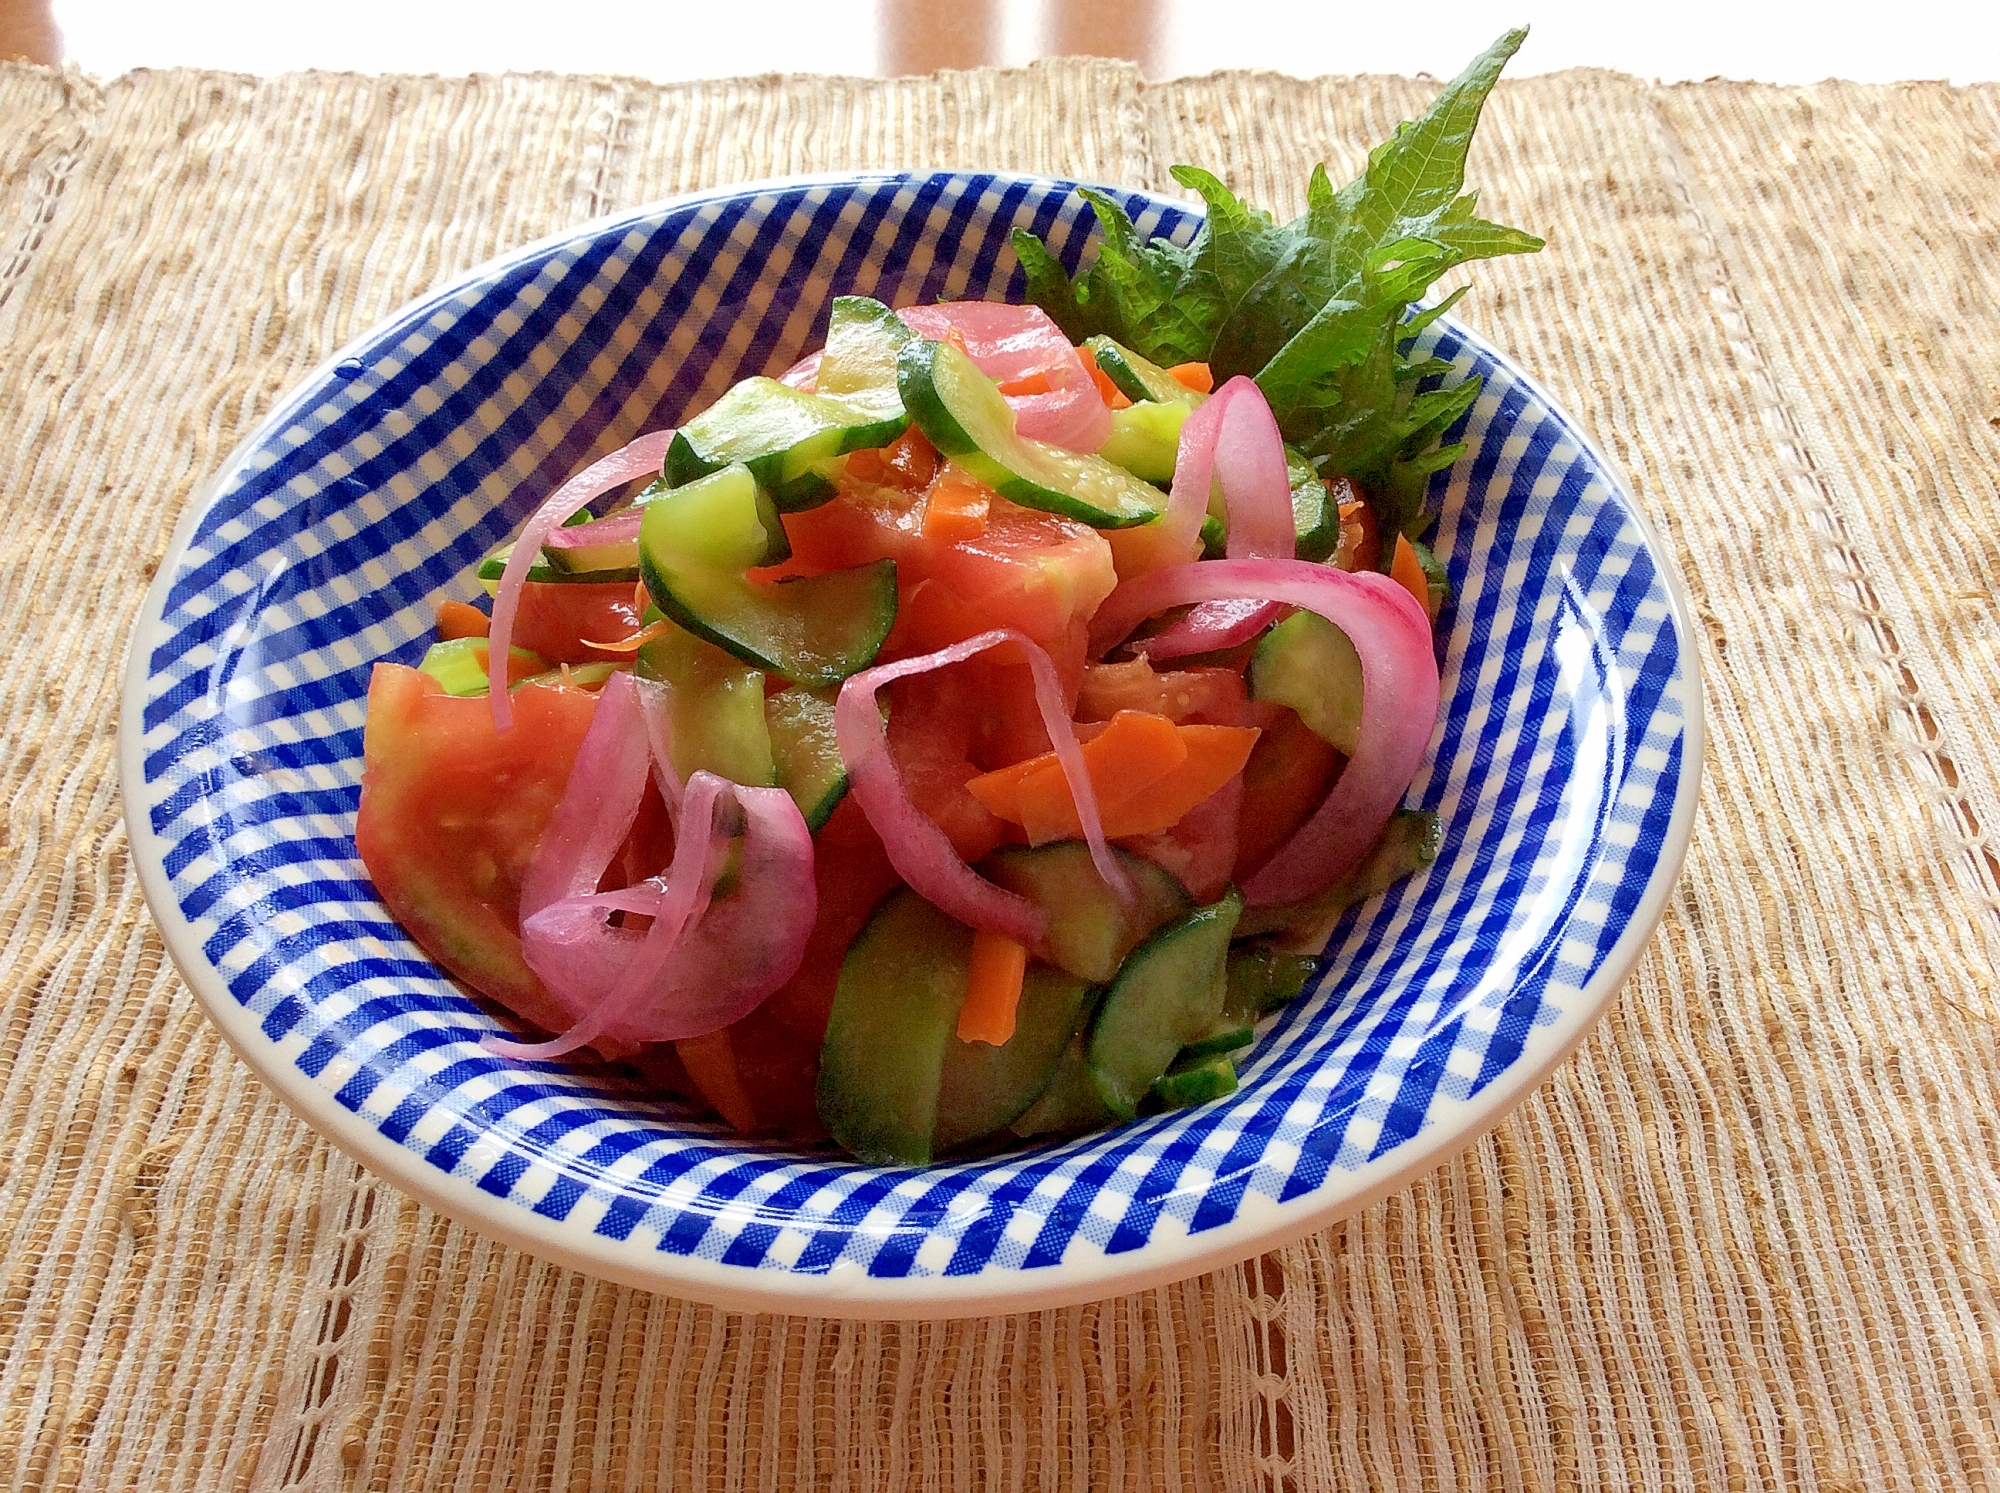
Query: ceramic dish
point(1565, 771)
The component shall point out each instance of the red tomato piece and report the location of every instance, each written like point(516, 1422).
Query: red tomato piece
point(560, 620)
point(1285, 779)
point(451, 813)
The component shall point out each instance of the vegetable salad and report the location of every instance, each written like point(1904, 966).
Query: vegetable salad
point(937, 750)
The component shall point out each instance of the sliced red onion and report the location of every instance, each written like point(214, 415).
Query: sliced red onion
point(804, 374)
point(704, 962)
point(1399, 696)
point(1235, 438)
point(921, 852)
point(656, 704)
point(608, 473)
point(1014, 342)
point(621, 527)
point(599, 804)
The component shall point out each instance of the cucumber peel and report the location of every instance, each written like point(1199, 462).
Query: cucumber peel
point(964, 414)
point(1169, 992)
point(697, 542)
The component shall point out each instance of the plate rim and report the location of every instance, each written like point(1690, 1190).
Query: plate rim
point(851, 1293)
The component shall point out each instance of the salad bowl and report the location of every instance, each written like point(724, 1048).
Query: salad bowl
point(1564, 771)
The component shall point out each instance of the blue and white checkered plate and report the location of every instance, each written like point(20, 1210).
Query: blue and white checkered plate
point(1565, 773)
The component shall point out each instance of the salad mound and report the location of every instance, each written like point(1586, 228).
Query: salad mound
point(952, 741)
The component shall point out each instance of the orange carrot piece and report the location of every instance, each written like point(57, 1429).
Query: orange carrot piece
point(1213, 755)
point(867, 466)
point(711, 1062)
point(1196, 376)
point(993, 989)
point(1408, 572)
point(458, 619)
point(1140, 755)
point(1111, 394)
point(1028, 383)
point(955, 508)
point(911, 460)
point(635, 642)
point(1135, 750)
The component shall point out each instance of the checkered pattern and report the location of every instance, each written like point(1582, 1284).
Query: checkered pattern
point(372, 492)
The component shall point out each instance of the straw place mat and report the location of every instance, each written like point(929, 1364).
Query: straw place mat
point(1749, 1237)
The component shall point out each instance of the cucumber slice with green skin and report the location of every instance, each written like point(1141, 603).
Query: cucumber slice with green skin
point(1090, 929)
point(1139, 378)
point(1309, 664)
point(718, 710)
point(459, 664)
point(895, 1082)
point(577, 676)
point(494, 565)
point(985, 1088)
point(858, 368)
point(800, 723)
point(695, 545)
point(1145, 439)
point(782, 435)
point(1409, 842)
point(967, 418)
point(1195, 1080)
point(1069, 1105)
point(1315, 511)
point(895, 1008)
point(1168, 993)
point(1229, 1034)
point(1263, 977)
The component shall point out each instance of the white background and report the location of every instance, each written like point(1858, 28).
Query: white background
point(665, 40)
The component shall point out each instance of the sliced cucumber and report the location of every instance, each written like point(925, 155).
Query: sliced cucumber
point(858, 368)
point(695, 545)
point(800, 723)
point(968, 419)
point(1195, 1079)
point(1139, 378)
point(1263, 977)
point(985, 1088)
point(1069, 1105)
point(1090, 929)
point(459, 664)
point(1315, 513)
point(1168, 993)
point(1227, 1034)
point(782, 435)
point(895, 1008)
point(577, 676)
point(895, 1082)
point(718, 709)
point(1409, 843)
point(1309, 664)
point(1145, 439)
point(542, 572)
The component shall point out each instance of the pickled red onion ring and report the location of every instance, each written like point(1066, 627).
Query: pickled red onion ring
point(705, 962)
point(1016, 342)
point(606, 474)
point(921, 853)
point(1399, 696)
point(1233, 438)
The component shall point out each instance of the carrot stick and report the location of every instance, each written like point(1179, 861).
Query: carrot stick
point(1408, 572)
point(1028, 383)
point(955, 508)
point(1130, 753)
point(711, 1062)
point(1144, 784)
point(1195, 376)
point(457, 619)
point(993, 989)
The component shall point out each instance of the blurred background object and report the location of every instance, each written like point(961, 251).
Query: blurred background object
point(28, 32)
point(669, 40)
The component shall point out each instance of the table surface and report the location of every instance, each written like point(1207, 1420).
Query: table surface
point(1168, 38)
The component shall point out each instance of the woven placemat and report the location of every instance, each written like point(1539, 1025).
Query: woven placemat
point(1749, 1237)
